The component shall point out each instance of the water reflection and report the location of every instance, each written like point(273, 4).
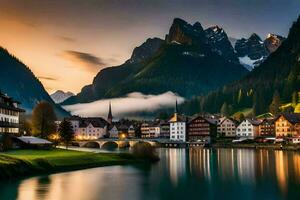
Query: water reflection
point(209, 173)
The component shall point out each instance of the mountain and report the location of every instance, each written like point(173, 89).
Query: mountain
point(190, 61)
point(253, 51)
point(278, 74)
point(272, 42)
point(17, 81)
point(60, 96)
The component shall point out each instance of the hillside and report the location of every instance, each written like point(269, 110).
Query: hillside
point(188, 62)
point(279, 73)
point(17, 81)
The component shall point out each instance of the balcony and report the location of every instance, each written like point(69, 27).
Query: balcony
point(9, 124)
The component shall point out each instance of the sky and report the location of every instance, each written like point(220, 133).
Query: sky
point(65, 43)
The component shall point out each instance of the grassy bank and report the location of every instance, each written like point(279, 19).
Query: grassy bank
point(20, 163)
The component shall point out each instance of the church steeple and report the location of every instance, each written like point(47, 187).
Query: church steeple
point(176, 107)
point(109, 116)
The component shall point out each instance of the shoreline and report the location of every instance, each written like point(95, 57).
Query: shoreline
point(259, 146)
point(20, 164)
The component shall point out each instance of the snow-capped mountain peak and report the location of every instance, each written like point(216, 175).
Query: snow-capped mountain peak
point(60, 96)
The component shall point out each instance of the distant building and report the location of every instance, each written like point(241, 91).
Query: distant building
point(150, 129)
point(164, 130)
point(178, 126)
point(227, 126)
point(267, 128)
point(145, 130)
point(9, 115)
point(287, 125)
point(89, 128)
point(202, 128)
point(249, 129)
point(113, 132)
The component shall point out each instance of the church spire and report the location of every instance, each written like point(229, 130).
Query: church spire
point(109, 116)
point(176, 107)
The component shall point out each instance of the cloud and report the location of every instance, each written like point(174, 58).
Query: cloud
point(66, 39)
point(89, 61)
point(47, 78)
point(125, 106)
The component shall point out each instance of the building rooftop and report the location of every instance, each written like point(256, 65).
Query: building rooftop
point(33, 140)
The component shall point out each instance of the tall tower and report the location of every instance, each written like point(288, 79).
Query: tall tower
point(109, 116)
point(176, 107)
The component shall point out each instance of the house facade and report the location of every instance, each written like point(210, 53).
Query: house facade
point(202, 128)
point(145, 130)
point(267, 128)
point(88, 128)
point(9, 115)
point(227, 127)
point(164, 130)
point(287, 125)
point(248, 129)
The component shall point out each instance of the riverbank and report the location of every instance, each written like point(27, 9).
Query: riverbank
point(23, 163)
point(258, 146)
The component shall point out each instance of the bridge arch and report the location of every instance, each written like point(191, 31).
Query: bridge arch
point(92, 144)
point(109, 145)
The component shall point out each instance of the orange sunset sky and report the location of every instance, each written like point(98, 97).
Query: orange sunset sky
point(65, 43)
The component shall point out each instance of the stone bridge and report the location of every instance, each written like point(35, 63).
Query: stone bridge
point(114, 143)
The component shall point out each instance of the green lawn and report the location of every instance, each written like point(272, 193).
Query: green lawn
point(30, 162)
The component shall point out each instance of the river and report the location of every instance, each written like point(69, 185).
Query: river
point(182, 173)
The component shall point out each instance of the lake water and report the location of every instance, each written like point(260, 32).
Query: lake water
point(182, 173)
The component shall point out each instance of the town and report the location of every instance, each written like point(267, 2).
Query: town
point(178, 131)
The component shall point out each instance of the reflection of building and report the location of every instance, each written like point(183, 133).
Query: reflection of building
point(202, 128)
point(287, 125)
point(248, 129)
point(246, 165)
point(177, 127)
point(9, 115)
point(177, 164)
point(226, 127)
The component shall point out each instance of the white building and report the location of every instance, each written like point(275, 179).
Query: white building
point(88, 128)
point(9, 115)
point(248, 129)
point(177, 127)
point(227, 127)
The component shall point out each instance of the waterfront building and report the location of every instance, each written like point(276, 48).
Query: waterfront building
point(226, 127)
point(113, 132)
point(202, 129)
point(9, 115)
point(164, 130)
point(145, 132)
point(150, 129)
point(89, 128)
point(287, 125)
point(267, 128)
point(178, 126)
point(248, 129)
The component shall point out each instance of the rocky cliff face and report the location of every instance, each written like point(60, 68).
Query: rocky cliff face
point(183, 33)
point(220, 43)
point(253, 51)
point(60, 96)
point(146, 50)
point(189, 62)
point(253, 47)
point(272, 42)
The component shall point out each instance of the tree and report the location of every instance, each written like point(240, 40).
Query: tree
point(240, 117)
point(274, 106)
point(225, 109)
point(294, 99)
point(66, 132)
point(43, 120)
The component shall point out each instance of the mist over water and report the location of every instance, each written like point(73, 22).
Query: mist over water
point(132, 103)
